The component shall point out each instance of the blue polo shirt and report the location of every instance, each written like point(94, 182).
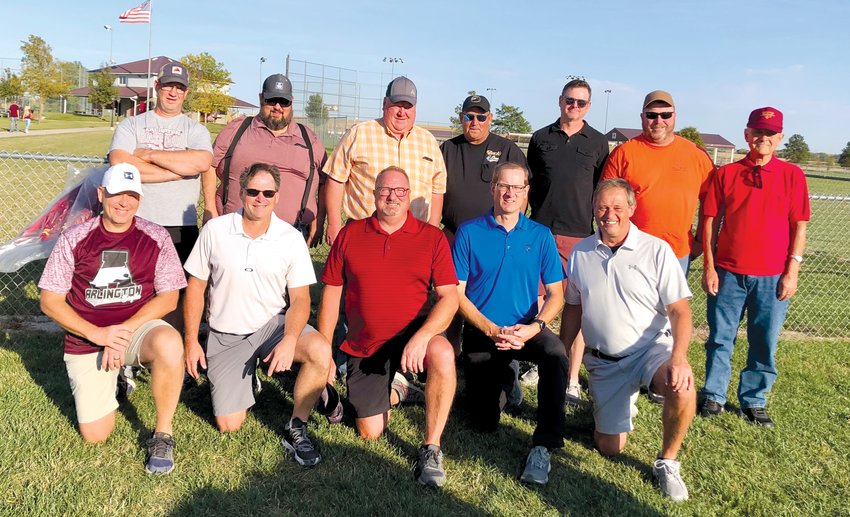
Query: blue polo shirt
point(502, 269)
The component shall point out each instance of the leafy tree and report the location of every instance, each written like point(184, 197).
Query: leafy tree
point(796, 149)
point(691, 133)
point(844, 159)
point(208, 84)
point(102, 89)
point(509, 119)
point(316, 110)
point(11, 85)
point(40, 73)
point(457, 128)
point(73, 73)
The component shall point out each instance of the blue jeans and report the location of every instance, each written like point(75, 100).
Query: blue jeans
point(685, 262)
point(765, 316)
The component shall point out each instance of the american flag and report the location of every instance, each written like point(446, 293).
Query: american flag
point(138, 14)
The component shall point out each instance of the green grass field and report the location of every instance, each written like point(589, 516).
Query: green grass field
point(731, 468)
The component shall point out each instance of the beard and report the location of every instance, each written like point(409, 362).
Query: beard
point(276, 124)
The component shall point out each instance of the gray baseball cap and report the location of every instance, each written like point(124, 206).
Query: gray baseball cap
point(173, 73)
point(401, 89)
point(277, 86)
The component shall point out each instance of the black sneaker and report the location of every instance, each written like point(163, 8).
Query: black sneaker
point(160, 457)
point(757, 416)
point(710, 408)
point(429, 466)
point(296, 441)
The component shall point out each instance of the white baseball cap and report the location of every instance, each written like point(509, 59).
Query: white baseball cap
point(122, 177)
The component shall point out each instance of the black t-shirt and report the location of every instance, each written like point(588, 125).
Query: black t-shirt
point(469, 169)
point(565, 170)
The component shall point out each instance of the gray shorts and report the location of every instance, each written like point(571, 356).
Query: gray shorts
point(232, 364)
point(615, 385)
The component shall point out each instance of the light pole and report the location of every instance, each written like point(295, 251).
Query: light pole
point(262, 60)
point(492, 96)
point(109, 30)
point(607, 99)
point(392, 61)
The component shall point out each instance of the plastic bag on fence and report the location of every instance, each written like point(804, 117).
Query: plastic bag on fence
point(77, 203)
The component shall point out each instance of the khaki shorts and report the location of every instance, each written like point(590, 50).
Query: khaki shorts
point(92, 386)
point(615, 385)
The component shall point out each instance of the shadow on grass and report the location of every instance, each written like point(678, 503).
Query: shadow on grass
point(43, 360)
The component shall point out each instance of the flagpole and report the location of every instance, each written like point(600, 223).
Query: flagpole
point(150, 40)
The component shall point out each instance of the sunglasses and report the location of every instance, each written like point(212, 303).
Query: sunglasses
point(284, 103)
point(581, 103)
point(268, 194)
point(481, 117)
point(652, 115)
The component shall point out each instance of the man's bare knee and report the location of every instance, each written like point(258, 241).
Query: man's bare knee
point(440, 355)
point(99, 430)
point(230, 423)
point(371, 428)
point(610, 445)
point(163, 345)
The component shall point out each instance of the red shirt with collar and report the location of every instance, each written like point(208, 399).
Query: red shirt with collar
point(387, 278)
point(758, 207)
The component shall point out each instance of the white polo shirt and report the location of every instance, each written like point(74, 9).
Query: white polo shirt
point(624, 296)
point(248, 277)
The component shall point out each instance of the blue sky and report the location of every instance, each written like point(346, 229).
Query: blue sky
point(719, 59)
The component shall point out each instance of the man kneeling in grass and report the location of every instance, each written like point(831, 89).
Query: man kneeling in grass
point(628, 294)
point(107, 283)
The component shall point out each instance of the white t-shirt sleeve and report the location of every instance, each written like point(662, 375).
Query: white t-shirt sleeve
point(672, 284)
point(300, 272)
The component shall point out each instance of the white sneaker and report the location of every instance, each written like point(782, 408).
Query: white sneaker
point(669, 479)
point(574, 397)
point(530, 377)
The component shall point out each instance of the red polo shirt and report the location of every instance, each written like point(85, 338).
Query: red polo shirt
point(387, 277)
point(758, 206)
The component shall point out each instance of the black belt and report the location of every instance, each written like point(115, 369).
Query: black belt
point(596, 353)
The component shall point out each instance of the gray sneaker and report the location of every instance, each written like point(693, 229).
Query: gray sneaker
point(408, 393)
point(537, 466)
point(669, 479)
point(296, 441)
point(573, 397)
point(429, 466)
point(160, 454)
point(513, 389)
point(530, 377)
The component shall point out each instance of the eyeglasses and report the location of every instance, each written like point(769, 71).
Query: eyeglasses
point(481, 117)
point(504, 187)
point(385, 191)
point(268, 194)
point(756, 172)
point(284, 103)
point(652, 115)
point(581, 103)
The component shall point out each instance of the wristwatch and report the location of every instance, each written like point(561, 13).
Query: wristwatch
point(798, 258)
point(539, 322)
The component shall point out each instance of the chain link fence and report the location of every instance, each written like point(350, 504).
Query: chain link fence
point(821, 308)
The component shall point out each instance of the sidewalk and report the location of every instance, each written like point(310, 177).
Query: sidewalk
point(39, 132)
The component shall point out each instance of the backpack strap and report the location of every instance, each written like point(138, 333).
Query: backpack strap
point(309, 184)
point(225, 179)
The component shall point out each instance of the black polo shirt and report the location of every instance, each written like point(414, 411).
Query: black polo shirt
point(469, 169)
point(565, 170)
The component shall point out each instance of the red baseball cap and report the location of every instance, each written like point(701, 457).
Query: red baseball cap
point(766, 118)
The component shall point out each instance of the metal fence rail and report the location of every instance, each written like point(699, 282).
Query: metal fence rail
point(820, 309)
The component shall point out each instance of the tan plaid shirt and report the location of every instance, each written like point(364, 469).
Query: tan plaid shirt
point(368, 148)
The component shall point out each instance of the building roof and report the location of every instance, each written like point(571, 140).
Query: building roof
point(710, 139)
point(125, 92)
point(139, 67)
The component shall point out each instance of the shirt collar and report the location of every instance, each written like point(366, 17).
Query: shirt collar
point(411, 224)
point(521, 224)
point(631, 242)
point(771, 166)
point(273, 233)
